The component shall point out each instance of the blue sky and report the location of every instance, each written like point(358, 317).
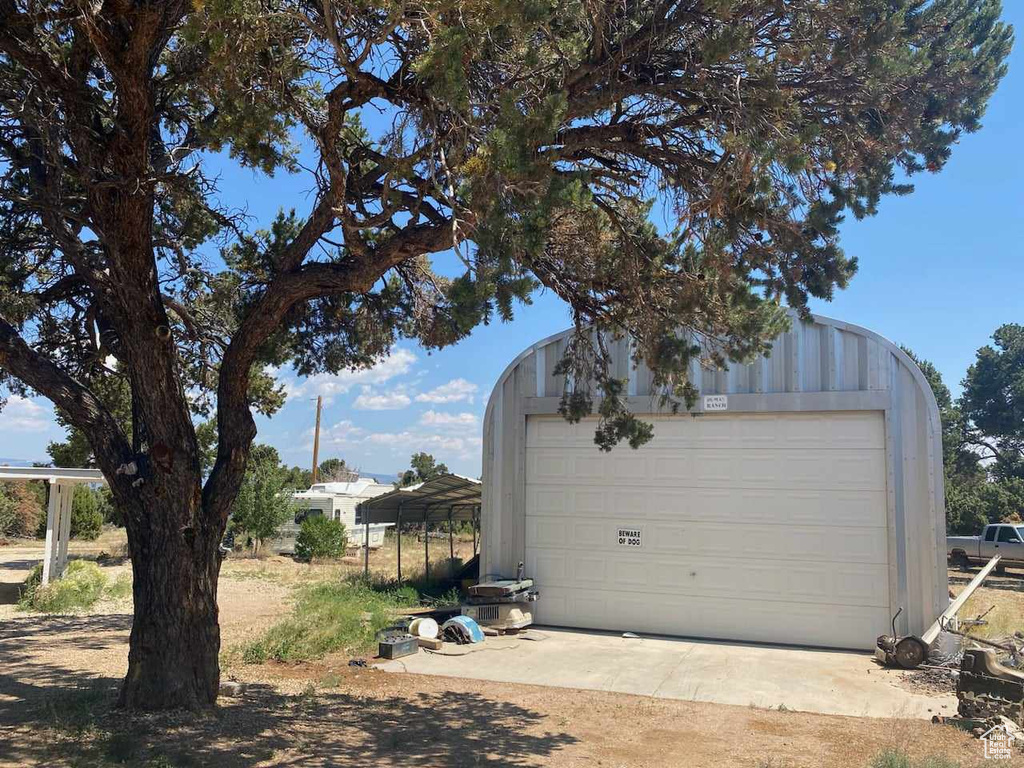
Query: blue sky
point(940, 270)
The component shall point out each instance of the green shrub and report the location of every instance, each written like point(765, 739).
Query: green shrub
point(8, 517)
point(111, 514)
point(31, 582)
point(121, 588)
point(328, 617)
point(82, 584)
point(262, 504)
point(86, 514)
point(20, 509)
point(320, 538)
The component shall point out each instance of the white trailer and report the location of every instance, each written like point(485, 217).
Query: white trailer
point(337, 501)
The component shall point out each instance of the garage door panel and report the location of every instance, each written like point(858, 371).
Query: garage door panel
point(772, 581)
point(548, 532)
point(728, 540)
point(768, 527)
point(677, 466)
point(789, 469)
point(630, 575)
point(584, 569)
point(548, 465)
point(846, 626)
point(823, 431)
point(726, 505)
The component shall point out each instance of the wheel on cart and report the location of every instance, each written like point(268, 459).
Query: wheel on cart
point(910, 652)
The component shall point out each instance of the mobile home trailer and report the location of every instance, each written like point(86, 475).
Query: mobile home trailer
point(337, 501)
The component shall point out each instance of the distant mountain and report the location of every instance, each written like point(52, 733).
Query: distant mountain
point(380, 477)
point(7, 462)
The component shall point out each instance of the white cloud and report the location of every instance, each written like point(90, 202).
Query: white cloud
point(442, 446)
point(346, 435)
point(24, 415)
point(456, 390)
point(331, 385)
point(369, 400)
point(342, 433)
point(434, 418)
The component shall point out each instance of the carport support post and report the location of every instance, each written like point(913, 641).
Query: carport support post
point(473, 523)
point(52, 531)
point(67, 500)
point(366, 555)
point(451, 543)
point(398, 527)
point(426, 547)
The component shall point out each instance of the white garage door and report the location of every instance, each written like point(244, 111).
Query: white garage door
point(757, 527)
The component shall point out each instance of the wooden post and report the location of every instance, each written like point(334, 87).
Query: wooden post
point(426, 547)
point(473, 523)
point(399, 528)
point(52, 531)
point(451, 545)
point(316, 439)
point(67, 500)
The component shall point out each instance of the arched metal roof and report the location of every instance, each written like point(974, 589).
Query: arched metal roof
point(821, 364)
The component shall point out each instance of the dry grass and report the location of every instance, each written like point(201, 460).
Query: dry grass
point(383, 563)
point(1004, 594)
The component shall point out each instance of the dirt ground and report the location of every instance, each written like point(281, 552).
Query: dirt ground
point(58, 677)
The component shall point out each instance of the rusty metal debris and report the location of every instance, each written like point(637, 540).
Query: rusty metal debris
point(1008, 647)
point(895, 651)
point(910, 651)
point(987, 688)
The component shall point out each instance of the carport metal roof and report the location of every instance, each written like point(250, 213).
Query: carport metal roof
point(52, 474)
point(431, 500)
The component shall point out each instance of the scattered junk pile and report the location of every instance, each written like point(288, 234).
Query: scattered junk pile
point(988, 675)
point(411, 634)
point(503, 605)
point(492, 607)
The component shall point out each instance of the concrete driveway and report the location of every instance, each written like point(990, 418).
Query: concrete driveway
point(828, 682)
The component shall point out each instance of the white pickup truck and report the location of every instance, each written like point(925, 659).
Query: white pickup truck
point(998, 539)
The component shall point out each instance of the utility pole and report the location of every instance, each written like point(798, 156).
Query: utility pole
point(316, 439)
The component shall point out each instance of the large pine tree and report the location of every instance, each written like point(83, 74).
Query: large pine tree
point(529, 136)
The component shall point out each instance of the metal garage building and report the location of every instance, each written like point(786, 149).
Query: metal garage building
point(805, 506)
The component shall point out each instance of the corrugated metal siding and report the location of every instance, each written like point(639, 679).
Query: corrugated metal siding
point(812, 357)
point(821, 356)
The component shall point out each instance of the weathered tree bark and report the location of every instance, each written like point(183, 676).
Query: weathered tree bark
point(175, 639)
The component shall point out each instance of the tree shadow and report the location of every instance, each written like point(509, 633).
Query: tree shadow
point(50, 714)
point(10, 593)
point(26, 681)
point(76, 723)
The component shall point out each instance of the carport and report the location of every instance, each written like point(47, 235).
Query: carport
point(446, 497)
point(61, 491)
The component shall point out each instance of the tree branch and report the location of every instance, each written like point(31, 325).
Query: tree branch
point(235, 426)
point(82, 407)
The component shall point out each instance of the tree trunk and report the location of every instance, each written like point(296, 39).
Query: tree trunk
point(175, 639)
